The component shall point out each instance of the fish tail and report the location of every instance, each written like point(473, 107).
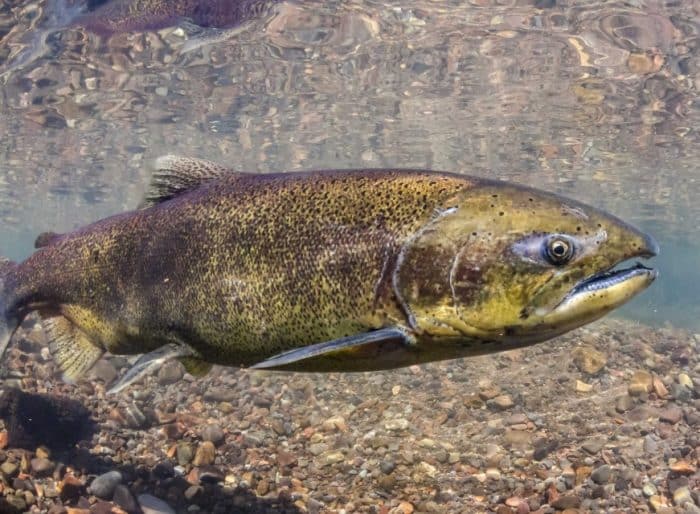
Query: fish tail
point(8, 320)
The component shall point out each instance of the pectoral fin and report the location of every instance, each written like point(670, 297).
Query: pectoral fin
point(361, 352)
point(71, 348)
point(148, 363)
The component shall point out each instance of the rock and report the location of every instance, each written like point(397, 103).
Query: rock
point(193, 491)
point(594, 445)
point(501, 402)
point(582, 387)
point(122, 496)
point(424, 471)
point(659, 388)
point(205, 454)
point(331, 458)
point(657, 502)
point(601, 474)
point(213, 433)
point(41, 466)
point(649, 490)
point(184, 454)
point(682, 467)
point(104, 485)
point(396, 424)
point(672, 414)
point(171, 372)
point(641, 383)
point(9, 469)
point(589, 360)
point(13, 504)
point(105, 371)
point(567, 501)
point(681, 496)
point(624, 403)
point(685, 381)
point(152, 505)
point(220, 394)
point(335, 423)
point(285, 458)
point(387, 466)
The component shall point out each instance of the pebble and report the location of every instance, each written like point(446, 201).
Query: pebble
point(649, 489)
point(105, 371)
point(171, 372)
point(681, 496)
point(624, 403)
point(594, 445)
point(601, 474)
point(671, 414)
point(184, 453)
point(583, 387)
point(387, 466)
point(42, 466)
point(152, 505)
point(501, 402)
point(682, 467)
point(104, 485)
point(9, 469)
point(205, 454)
point(213, 433)
point(589, 360)
point(657, 502)
point(641, 383)
point(566, 501)
point(685, 381)
point(396, 424)
point(122, 496)
point(332, 458)
point(220, 394)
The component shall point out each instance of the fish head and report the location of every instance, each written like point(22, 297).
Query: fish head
point(505, 263)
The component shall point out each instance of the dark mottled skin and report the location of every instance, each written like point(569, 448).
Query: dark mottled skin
point(243, 268)
point(117, 16)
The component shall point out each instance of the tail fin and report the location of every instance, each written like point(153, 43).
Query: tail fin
point(8, 322)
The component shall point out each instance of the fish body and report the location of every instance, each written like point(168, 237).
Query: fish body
point(117, 16)
point(347, 270)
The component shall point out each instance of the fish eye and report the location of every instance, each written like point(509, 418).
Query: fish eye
point(558, 250)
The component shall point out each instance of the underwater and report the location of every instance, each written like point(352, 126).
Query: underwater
point(387, 257)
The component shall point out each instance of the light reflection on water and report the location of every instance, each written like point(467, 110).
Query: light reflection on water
point(596, 100)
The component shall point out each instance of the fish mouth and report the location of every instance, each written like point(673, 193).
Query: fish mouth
point(612, 278)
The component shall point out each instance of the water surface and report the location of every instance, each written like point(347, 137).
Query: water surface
point(595, 100)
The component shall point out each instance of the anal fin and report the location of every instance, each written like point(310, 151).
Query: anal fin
point(72, 349)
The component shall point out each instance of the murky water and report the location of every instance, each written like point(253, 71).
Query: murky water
point(596, 100)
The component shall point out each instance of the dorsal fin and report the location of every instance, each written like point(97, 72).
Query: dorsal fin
point(45, 239)
point(175, 175)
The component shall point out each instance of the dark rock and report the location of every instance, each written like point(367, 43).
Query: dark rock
point(12, 504)
point(123, 497)
point(387, 466)
point(103, 486)
point(41, 466)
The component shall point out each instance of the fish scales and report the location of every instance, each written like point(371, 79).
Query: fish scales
point(345, 270)
point(249, 264)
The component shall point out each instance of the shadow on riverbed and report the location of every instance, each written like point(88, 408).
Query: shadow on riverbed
point(61, 424)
